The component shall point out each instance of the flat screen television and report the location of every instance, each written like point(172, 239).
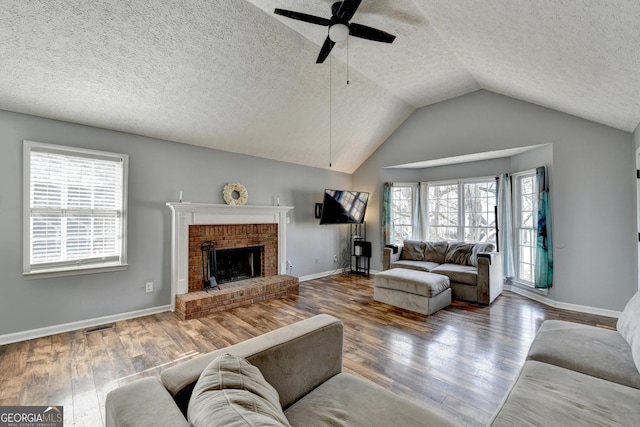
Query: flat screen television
point(343, 207)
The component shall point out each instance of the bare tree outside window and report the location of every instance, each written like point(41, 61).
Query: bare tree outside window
point(479, 211)
point(453, 211)
point(443, 212)
point(401, 214)
point(527, 209)
point(463, 211)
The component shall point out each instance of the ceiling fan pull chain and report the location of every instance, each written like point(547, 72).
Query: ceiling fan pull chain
point(347, 60)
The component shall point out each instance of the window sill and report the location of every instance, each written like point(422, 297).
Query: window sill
point(73, 271)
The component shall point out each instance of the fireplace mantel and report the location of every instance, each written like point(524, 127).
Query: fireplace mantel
point(185, 214)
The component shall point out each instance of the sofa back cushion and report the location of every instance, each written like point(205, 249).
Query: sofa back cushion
point(233, 392)
point(629, 327)
point(436, 251)
point(459, 253)
point(478, 248)
point(413, 250)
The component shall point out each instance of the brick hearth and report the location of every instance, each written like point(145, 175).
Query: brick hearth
point(234, 294)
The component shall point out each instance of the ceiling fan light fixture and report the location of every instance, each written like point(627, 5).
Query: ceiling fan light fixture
point(338, 33)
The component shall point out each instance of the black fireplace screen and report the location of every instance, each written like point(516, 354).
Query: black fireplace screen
point(238, 263)
point(229, 265)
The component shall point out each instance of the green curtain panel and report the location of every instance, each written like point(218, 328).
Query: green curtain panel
point(386, 213)
point(544, 244)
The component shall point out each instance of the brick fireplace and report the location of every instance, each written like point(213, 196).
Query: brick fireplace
point(229, 227)
point(232, 236)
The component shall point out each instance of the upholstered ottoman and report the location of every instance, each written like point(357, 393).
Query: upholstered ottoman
point(412, 290)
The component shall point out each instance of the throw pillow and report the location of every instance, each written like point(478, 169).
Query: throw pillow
point(435, 251)
point(413, 250)
point(459, 253)
point(231, 392)
point(629, 327)
point(477, 248)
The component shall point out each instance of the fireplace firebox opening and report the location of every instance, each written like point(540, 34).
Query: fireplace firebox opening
point(239, 263)
point(229, 265)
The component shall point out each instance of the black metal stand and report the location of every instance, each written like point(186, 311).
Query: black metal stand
point(360, 249)
point(209, 266)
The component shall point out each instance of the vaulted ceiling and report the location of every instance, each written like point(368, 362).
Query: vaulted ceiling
point(232, 75)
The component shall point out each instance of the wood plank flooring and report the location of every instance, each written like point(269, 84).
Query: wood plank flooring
point(459, 362)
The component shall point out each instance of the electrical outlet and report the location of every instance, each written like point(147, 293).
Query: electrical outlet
point(149, 287)
point(317, 260)
point(335, 258)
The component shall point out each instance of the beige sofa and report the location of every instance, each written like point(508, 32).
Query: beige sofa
point(578, 375)
point(474, 269)
point(574, 375)
point(302, 367)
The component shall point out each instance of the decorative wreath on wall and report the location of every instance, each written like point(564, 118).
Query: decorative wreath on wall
point(232, 190)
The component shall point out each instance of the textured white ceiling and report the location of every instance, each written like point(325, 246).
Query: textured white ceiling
point(232, 75)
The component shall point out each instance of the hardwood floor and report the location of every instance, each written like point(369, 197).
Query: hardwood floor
point(459, 362)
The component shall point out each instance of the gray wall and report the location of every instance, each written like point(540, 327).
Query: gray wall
point(158, 170)
point(592, 190)
point(634, 155)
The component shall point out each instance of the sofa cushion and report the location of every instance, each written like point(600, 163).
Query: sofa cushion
point(346, 400)
point(435, 251)
point(548, 395)
point(629, 326)
point(144, 402)
point(594, 351)
point(311, 347)
point(413, 250)
point(233, 392)
point(478, 248)
point(459, 253)
point(414, 265)
point(465, 274)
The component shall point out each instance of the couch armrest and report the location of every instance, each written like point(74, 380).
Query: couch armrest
point(143, 403)
point(388, 257)
point(490, 276)
point(491, 257)
point(294, 359)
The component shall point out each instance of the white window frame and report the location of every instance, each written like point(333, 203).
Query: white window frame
point(460, 227)
point(95, 266)
point(412, 224)
point(517, 221)
point(427, 204)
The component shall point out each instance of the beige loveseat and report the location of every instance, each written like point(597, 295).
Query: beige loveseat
point(474, 269)
point(300, 366)
point(578, 375)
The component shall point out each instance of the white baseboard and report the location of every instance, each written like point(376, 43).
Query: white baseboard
point(83, 324)
point(563, 305)
point(328, 273)
point(319, 275)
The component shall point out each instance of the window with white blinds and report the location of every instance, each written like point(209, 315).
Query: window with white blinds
point(75, 203)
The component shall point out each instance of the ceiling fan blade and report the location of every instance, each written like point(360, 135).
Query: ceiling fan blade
point(325, 51)
point(303, 17)
point(369, 33)
point(348, 9)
